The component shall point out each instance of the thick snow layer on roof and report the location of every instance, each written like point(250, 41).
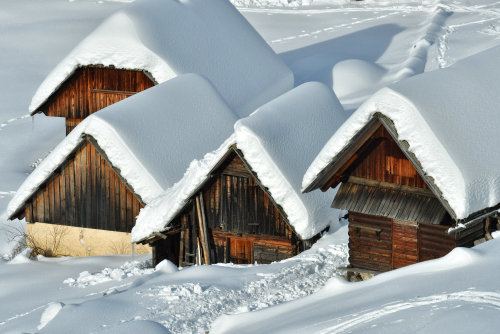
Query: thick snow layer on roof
point(449, 118)
point(278, 141)
point(168, 37)
point(150, 137)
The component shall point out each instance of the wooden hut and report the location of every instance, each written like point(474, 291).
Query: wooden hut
point(403, 166)
point(242, 203)
point(152, 41)
point(118, 160)
point(91, 88)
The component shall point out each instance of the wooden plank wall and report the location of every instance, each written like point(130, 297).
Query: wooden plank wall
point(71, 123)
point(243, 223)
point(234, 202)
point(86, 192)
point(382, 159)
point(405, 249)
point(377, 244)
point(434, 242)
point(370, 242)
point(90, 89)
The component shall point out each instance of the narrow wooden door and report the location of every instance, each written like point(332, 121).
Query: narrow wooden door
point(240, 251)
point(404, 243)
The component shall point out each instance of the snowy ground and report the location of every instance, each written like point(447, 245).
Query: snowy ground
point(353, 47)
point(115, 292)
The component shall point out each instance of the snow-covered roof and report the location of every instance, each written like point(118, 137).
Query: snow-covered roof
point(449, 118)
point(170, 37)
point(278, 141)
point(178, 121)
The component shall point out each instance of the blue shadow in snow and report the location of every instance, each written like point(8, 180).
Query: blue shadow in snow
point(315, 62)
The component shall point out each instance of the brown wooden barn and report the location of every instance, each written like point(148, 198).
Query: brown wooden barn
point(92, 88)
point(99, 177)
point(404, 170)
point(248, 207)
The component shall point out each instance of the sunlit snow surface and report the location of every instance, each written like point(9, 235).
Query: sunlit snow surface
point(318, 40)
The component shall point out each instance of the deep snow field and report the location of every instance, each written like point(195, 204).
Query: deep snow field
point(355, 47)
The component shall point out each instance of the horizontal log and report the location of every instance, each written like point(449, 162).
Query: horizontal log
point(371, 250)
point(111, 91)
point(371, 243)
point(377, 266)
point(364, 227)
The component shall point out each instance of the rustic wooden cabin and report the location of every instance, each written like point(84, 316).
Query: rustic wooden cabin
point(402, 166)
point(248, 207)
point(91, 88)
point(100, 176)
point(158, 41)
point(231, 218)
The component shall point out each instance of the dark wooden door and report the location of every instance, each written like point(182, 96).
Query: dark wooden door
point(404, 243)
point(240, 251)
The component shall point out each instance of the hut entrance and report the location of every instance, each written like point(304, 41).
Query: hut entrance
point(404, 243)
point(240, 250)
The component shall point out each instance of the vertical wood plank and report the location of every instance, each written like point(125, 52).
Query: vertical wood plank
point(123, 207)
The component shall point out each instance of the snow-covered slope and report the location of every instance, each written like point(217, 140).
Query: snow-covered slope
point(455, 294)
point(448, 117)
point(179, 120)
point(167, 38)
point(279, 140)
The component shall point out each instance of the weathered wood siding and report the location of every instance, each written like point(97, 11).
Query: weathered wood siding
point(71, 123)
point(381, 159)
point(86, 192)
point(381, 244)
point(243, 223)
point(404, 243)
point(434, 241)
point(234, 202)
point(90, 89)
point(370, 242)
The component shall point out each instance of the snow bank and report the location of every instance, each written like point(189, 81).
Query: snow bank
point(448, 117)
point(126, 270)
point(279, 141)
point(50, 313)
point(398, 301)
point(179, 120)
point(167, 38)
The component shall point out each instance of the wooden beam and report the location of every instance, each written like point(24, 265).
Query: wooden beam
point(160, 235)
point(111, 91)
point(203, 230)
point(392, 186)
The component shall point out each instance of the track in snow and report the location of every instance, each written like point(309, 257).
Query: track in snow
point(191, 308)
point(486, 299)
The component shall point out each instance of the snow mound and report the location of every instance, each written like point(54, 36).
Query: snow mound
point(166, 267)
point(128, 269)
point(23, 257)
point(278, 141)
point(167, 38)
point(356, 76)
point(50, 313)
point(151, 148)
point(448, 117)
